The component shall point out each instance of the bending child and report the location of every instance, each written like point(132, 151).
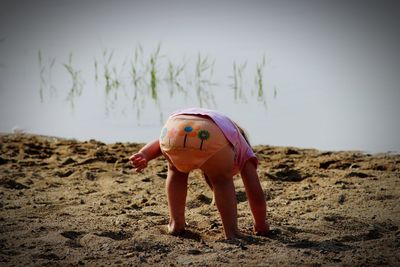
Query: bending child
point(204, 139)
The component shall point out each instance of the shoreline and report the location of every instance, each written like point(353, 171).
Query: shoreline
point(254, 146)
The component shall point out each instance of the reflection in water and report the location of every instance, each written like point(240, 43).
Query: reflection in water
point(111, 78)
point(259, 81)
point(137, 74)
point(76, 80)
point(173, 79)
point(143, 77)
point(203, 81)
point(237, 85)
point(46, 76)
point(153, 73)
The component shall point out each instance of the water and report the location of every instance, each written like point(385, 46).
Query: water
point(330, 79)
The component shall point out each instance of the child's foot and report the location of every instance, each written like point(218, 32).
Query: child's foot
point(261, 231)
point(236, 235)
point(174, 230)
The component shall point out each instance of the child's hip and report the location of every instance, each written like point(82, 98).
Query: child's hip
point(189, 141)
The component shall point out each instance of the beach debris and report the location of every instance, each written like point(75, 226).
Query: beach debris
point(120, 235)
point(357, 174)
point(146, 179)
point(90, 176)
point(326, 164)
point(342, 199)
point(291, 151)
point(290, 175)
point(71, 234)
point(194, 252)
point(241, 196)
point(68, 161)
point(12, 184)
point(162, 175)
point(3, 161)
point(62, 174)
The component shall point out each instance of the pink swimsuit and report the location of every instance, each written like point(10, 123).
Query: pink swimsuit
point(188, 141)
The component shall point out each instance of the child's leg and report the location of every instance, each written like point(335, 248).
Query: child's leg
point(219, 172)
point(176, 189)
point(256, 197)
point(208, 181)
point(211, 187)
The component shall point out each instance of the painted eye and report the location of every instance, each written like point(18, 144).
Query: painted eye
point(204, 135)
point(188, 129)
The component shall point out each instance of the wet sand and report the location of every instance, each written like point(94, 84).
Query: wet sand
point(70, 203)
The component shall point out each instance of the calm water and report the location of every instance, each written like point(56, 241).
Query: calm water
point(294, 74)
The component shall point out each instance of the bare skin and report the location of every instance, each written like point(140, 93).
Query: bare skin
point(176, 189)
point(217, 171)
point(255, 195)
point(256, 198)
point(149, 152)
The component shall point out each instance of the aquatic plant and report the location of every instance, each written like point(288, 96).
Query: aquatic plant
point(259, 80)
point(96, 70)
point(237, 85)
point(112, 80)
point(137, 63)
point(173, 74)
point(141, 77)
point(76, 81)
point(153, 72)
point(137, 75)
point(203, 81)
point(45, 73)
point(109, 72)
point(42, 79)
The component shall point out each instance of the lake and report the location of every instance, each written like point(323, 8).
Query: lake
point(301, 73)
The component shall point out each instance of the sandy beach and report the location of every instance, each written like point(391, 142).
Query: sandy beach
point(71, 203)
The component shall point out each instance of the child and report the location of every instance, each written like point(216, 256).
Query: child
point(204, 139)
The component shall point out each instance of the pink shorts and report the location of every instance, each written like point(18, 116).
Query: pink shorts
point(188, 141)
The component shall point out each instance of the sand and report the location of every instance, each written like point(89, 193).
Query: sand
point(70, 203)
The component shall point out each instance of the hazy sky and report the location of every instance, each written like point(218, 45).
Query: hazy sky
point(336, 64)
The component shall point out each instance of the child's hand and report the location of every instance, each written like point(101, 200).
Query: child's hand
point(139, 161)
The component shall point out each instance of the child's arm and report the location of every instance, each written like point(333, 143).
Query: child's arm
point(147, 153)
point(256, 198)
